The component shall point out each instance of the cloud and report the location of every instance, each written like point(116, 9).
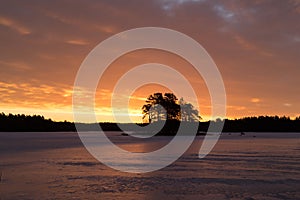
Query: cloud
point(34, 96)
point(296, 4)
point(168, 5)
point(296, 39)
point(12, 24)
point(139, 98)
point(236, 108)
point(77, 42)
point(225, 13)
point(107, 29)
point(16, 65)
point(243, 43)
point(59, 17)
point(85, 23)
point(255, 100)
point(246, 45)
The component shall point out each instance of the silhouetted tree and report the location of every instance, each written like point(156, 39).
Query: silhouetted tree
point(171, 106)
point(153, 109)
point(188, 112)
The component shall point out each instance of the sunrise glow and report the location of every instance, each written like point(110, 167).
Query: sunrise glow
point(259, 64)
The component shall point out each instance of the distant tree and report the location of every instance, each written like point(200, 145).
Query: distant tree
point(171, 106)
point(188, 112)
point(174, 109)
point(152, 108)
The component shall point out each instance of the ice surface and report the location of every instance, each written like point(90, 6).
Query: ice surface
point(57, 166)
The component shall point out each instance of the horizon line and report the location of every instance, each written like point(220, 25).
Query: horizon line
point(238, 118)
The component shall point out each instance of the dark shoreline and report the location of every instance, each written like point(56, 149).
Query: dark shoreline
point(37, 123)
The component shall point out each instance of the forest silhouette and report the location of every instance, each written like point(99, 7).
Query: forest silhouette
point(35, 123)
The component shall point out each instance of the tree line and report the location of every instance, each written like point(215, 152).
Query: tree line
point(21, 122)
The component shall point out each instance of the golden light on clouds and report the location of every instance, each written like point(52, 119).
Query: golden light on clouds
point(257, 53)
point(255, 100)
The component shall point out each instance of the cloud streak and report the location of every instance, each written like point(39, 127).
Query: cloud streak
point(77, 42)
point(12, 24)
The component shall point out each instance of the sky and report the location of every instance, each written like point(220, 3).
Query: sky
point(255, 45)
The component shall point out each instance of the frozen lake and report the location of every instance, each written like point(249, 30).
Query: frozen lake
point(57, 166)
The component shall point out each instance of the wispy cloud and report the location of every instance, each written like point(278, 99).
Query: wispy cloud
point(250, 46)
point(107, 29)
point(34, 96)
point(236, 108)
point(59, 17)
point(225, 13)
point(296, 4)
point(168, 5)
point(255, 100)
point(77, 42)
point(14, 25)
point(138, 98)
point(16, 65)
point(78, 22)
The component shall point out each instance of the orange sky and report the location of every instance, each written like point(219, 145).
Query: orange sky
point(255, 45)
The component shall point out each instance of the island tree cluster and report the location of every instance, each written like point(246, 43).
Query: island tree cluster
point(166, 106)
